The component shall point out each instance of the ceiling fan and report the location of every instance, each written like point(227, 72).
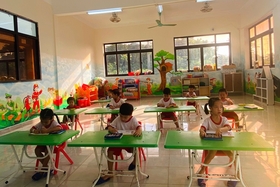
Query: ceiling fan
point(115, 18)
point(206, 8)
point(159, 23)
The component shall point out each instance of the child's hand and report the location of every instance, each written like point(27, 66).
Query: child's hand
point(44, 130)
point(202, 133)
point(138, 132)
point(218, 132)
point(160, 105)
point(111, 107)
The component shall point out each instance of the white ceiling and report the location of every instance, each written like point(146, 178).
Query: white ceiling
point(136, 12)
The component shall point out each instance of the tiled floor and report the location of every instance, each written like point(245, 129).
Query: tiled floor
point(166, 168)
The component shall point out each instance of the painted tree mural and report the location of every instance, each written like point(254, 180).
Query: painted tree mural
point(162, 66)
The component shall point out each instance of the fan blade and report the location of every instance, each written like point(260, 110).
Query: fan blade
point(158, 22)
point(152, 27)
point(168, 24)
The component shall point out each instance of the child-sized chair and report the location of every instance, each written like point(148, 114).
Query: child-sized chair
point(140, 151)
point(219, 153)
point(58, 149)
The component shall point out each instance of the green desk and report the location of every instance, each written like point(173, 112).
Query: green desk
point(96, 139)
point(179, 109)
point(237, 108)
point(102, 102)
point(70, 113)
point(102, 111)
point(23, 138)
point(198, 98)
point(242, 141)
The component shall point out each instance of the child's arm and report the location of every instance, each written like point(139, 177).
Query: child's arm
point(202, 132)
point(51, 129)
point(112, 129)
point(230, 102)
point(219, 131)
point(138, 131)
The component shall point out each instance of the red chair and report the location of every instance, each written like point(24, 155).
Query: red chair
point(219, 153)
point(140, 151)
point(59, 149)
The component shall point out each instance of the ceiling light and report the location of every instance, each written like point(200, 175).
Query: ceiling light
point(104, 11)
point(200, 1)
point(160, 9)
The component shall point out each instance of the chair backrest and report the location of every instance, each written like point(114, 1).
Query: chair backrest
point(63, 125)
point(232, 121)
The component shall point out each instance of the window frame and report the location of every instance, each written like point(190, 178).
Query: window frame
point(117, 52)
point(36, 63)
point(260, 36)
point(201, 47)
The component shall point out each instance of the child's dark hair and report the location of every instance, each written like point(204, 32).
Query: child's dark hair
point(167, 91)
point(210, 103)
point(126, 109)
point(222, 90)
point(46, 113)
point(116, 92)
point(192, 86)
point(70, 99)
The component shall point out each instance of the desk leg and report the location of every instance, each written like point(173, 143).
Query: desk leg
point(138, 168)
point(238, 171)
point(158, 121)
point(19, 161)
point(99, 163)
point(243, 119)
point(191, 166)
point(101, 122)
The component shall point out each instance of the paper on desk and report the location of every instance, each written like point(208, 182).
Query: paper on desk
point(230, 107)
point(126, 132)
point(225, 134)
point(39, 134)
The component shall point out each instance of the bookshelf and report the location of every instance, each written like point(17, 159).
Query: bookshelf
point(265, 88)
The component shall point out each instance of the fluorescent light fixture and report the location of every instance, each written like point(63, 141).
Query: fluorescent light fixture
point(160, 9)
point(201, 1)
point(104, 11)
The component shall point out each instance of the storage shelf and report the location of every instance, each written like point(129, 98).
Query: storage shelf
point(202, 85)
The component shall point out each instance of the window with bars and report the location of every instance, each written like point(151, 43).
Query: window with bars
point(261, 39)
point(123, 58)
point(19, 48)
point(198, 51)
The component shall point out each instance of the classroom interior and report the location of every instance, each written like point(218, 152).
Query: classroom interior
point(70, 45)
point(165, 167)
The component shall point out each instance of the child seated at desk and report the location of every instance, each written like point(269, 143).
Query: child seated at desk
point(71, 106)
point(218, 123)
point(191, 93)
point(125, 121)
point(46, 125)
point(223, 95)
point(116, 102)
point(167, 101)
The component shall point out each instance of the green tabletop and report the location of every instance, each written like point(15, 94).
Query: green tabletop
point(163, 109)
point(24, 138)
point(242, 141)
point(231, 108)
point(69, 112)
point(101, 101)
point(191, 98)
point(103, 111)
point(96, 139)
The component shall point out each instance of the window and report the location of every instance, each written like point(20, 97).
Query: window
point(19, 48)
point(197, 51)
point(262, 44)
point(123, 58)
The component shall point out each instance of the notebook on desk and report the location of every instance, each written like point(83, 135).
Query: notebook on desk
point(251, 106)
point(113, 136)
point(224, 134)
point(38, 134)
